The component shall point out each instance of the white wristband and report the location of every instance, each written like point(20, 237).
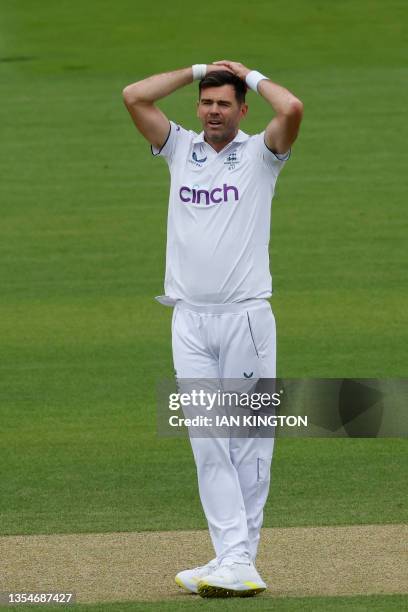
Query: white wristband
point(253, 78)
point(199, 71)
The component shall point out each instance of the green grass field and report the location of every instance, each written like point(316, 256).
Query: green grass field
point(82, 239)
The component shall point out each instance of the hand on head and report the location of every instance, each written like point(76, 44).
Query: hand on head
point(218, 67)
point(235, 67)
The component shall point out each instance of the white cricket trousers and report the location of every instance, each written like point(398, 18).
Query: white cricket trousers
point(212, 344)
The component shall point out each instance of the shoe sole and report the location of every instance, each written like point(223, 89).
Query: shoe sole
point(209, 590)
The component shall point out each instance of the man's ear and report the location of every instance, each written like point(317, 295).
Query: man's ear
point(198, 104)
point(244, 111)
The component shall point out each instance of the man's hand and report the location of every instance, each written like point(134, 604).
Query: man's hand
point(218, 66)
point(235, 67)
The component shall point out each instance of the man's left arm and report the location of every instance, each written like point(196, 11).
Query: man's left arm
point(282, 131)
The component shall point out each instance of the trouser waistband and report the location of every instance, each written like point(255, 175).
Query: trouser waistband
point(223, 308)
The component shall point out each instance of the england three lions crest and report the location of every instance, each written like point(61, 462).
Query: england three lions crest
point(232, 160)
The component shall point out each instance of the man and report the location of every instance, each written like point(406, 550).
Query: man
point(218, 280)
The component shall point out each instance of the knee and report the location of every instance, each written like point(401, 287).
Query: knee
point(209, 453)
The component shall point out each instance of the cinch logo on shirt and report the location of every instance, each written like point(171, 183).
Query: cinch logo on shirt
point(203, 196)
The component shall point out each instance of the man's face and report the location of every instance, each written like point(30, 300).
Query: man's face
point(220, 114)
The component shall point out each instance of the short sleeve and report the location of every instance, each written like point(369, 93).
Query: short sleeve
point(175, 137)
point(273, 161)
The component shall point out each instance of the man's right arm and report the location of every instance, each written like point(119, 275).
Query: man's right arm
point(140, 97)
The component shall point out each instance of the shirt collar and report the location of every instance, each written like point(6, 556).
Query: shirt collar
point(240, 137)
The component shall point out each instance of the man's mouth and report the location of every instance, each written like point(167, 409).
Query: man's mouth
point(214, 122)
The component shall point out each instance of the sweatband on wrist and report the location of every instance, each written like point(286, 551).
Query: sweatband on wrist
point(253, 78)
point(199, 71)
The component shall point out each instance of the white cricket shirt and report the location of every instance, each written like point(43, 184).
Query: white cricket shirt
point(219, 218)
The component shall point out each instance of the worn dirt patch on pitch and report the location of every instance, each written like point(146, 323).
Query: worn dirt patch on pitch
point(302, 561)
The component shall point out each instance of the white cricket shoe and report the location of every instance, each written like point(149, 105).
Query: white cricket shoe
point(232, 580)
point(188, 579)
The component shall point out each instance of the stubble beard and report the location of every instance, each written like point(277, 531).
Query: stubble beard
point(225, 136)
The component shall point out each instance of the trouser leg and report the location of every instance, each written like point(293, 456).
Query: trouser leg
point(252, 457)
point(218, 481)
point(221, 497)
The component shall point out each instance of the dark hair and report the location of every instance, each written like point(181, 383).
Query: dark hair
point(217, 78)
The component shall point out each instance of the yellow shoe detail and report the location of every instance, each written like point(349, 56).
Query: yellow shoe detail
point(253, 585)
point(180, 583)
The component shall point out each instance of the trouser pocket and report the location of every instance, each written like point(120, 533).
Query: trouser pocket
point(252, 334)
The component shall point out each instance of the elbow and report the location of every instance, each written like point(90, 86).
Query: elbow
point(295, 108)
point(131, 95)
point(128, 96)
